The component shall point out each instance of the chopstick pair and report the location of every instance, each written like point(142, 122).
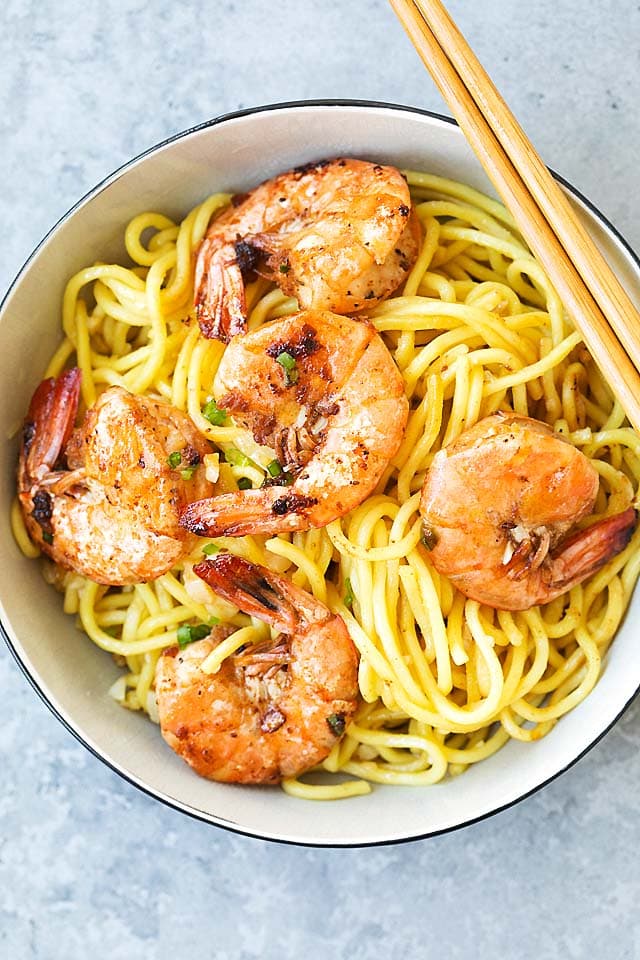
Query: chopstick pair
point(598, 304)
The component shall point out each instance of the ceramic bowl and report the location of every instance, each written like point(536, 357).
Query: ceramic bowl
point(67, 670)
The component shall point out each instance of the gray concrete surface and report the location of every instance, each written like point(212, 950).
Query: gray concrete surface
point(90, 867)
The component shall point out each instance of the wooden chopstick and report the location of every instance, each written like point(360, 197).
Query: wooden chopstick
point(602, 282)
point(599, 306)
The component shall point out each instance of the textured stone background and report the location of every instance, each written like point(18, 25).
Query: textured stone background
point(88, 865)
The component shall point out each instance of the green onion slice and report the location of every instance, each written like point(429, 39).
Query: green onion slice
point(187, 634)
point(214, 414)
point(348, 595)
point(288, 363)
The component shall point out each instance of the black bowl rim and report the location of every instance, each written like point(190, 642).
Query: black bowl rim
point(169, 801)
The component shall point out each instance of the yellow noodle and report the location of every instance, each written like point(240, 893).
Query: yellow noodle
point(59, 360)
point(19, 531)
point(333, 791)
point(214, 661)
point(312, 574)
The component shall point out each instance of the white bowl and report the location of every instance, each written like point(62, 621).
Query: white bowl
point(67, 670)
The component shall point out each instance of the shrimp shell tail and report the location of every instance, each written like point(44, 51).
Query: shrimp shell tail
point(588, 550)
point(254, 589)
point(220, 299)
point(265, 511)
point(50, 420)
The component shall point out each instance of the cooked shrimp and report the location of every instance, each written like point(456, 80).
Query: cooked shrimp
point(104, 500)
point(498, 504)
point(339, 235)
point(324, 393)
point(273, 710)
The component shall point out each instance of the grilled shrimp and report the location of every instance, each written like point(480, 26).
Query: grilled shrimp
point(339, 235)
point(273, 710)
point(324, 393)
point(104, 500)
point(498, 505)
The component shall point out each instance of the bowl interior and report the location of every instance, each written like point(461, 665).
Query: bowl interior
point(74, 675)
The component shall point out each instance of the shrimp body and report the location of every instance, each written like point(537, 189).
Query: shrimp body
point(273, 710)
point(103, 500)
point(335, 419)
point(499, 505)
point(339, 235)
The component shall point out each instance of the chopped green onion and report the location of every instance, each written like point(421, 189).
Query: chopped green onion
point(214, 414)
point(213, 621)
point(187, 634)
point(47, 537)
point(244, 483)
point(285, 267)
point(210, 548)
point(188, 472)
point(336, 722)
point(174, 459)
point(348, 596)
point(288, 363)
point(286, 360)
point(274, 468)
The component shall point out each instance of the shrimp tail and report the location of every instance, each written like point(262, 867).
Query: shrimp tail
point(49, 423)
point(260, 592)
point(220, 299)
point(587, 550)
point(266, 511)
